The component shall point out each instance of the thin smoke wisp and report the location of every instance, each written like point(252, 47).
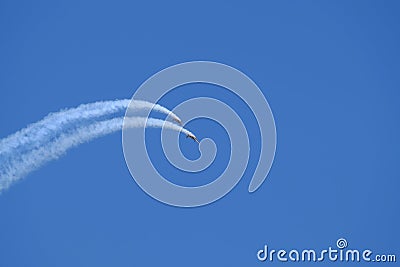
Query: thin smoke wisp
point(45, 129)
point(48, 139)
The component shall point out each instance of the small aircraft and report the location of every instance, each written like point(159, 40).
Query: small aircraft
point(193, 137)
point(178, 120)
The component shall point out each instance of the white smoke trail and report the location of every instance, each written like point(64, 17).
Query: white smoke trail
point(36, 134)
point(20, 165)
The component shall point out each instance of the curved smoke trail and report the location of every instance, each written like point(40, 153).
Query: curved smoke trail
point(19, 165)
point(39, 133)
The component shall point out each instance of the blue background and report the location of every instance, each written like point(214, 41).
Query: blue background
point(329, 69)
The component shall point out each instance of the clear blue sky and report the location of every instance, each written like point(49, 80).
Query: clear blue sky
point(329, 69)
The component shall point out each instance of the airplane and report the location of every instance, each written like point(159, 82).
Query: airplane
point(193, 137)
point(178, 120)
